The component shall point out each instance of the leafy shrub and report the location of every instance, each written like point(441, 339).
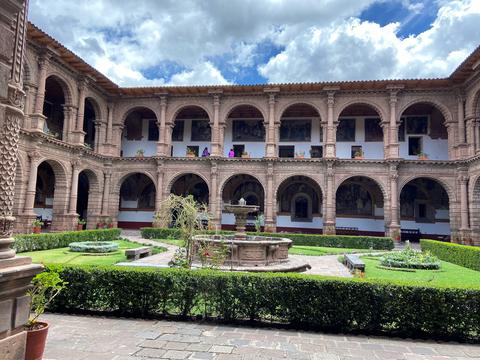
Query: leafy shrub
point(33, 242)
point(341, 241)
point(343, 305)
point(93, 246)
point(410, 259)
point(466, 256)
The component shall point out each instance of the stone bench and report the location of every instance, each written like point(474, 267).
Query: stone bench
point(353, 262)
point(346, 230)
point(138, 253)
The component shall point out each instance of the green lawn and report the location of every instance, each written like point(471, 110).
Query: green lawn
point(448, 275)
point(170, 241)
point(321, 251)
point(64, 256)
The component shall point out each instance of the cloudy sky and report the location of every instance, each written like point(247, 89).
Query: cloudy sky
point(195, 42)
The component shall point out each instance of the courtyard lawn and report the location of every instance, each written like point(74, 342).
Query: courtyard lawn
point(175, 242)
point(449, 275)
point(321, 251)
point(64, 256)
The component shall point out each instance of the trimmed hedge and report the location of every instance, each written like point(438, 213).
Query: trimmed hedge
point(332, 304)
point(463, 255)
point(339, 241)
point(34, 242)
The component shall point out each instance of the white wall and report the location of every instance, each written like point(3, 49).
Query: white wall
point(305, 146)
point(45, 213)
point(286, 221)
point(256, 149)
point(135, 216)
point(363, 224)
point(229, 219)
point(130, 147)
point(180, 147)
point(435, 149)
point(371, 150)
point(440, 228)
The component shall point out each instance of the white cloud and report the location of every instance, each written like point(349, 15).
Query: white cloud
point(201, 74)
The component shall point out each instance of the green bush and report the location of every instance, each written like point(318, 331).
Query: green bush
point(410, 259)
point(339, 241)
point(93, 246)
point(332, 304)
point(33, 242)
point(466, 256)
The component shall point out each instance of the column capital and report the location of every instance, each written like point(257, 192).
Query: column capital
point(270, 169)
point(216, 100)
point(34, 155)
point(214, 168)
point(76, 163)
point(330, 169)
point(163, 101)
point(462, 179)
point(82, 83)
point(43, 59)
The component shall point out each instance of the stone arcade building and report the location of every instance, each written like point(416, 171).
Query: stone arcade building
point(348, 157)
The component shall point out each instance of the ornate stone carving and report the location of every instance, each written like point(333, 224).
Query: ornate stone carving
point(16, 97)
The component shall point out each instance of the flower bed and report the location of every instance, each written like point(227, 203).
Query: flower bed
point(93, 246)
point(410, 259)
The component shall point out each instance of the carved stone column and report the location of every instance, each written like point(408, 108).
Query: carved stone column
point(270, 224)
point(393, 145)
point(72, 210)
point(37, 119)
point(15, 272)
point(99, 134)
point(216, 146)
point(159, 193)
point(161, 144)
point(271, 146)
point(32, 182)
point(330, 152)
point(329, 221)
point(394, 209)
point(470, 134)
point(168, 138)
point(107, 174)
point(461, 134)
point(117, 138)
point(69, 121)
point(214, 201)
point(78, 135)
point(462, 180)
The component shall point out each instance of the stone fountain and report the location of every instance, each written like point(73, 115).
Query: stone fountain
point(251, 252)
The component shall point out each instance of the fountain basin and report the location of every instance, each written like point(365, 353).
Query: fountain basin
point(250, 251)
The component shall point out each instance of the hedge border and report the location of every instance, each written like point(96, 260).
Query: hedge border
point(47, 241)
point(463, 255)
point(314, 302)
point(339, 241)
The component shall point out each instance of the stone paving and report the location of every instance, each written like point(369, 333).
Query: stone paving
point(321, 265)
point(98, 338)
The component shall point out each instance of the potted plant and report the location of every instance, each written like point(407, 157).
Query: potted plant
point(358, 155)
point(37, 226)
point(191, 153)
point(300, 155)
point(108, 223)
point(101, 224)
point(245, 155)
point(87, 146)
point(80, 224)
point(140, 153)
point(422, 156)
point(46, 286)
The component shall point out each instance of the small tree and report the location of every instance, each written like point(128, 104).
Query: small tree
point(185, 214)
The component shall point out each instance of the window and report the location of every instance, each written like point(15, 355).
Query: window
point(356, 151)
point(201, 130)
point(177, 133)
point(286, 151)
point(302, 209)
point(414, 145)
point(401, 130)
point(194, 149)
point(417, 125)
point(152, 130)
point(316, 152)
point(373, 130)
point(346, 130)
point(295, 130)
point(248, 130)
point(422, 211)
point(238, 150)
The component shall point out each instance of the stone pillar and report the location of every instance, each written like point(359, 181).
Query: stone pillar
point(393, 145)
point(271, 148)
point(117, 138)
point(470, 134)
point(329, 152)
point(221, 137)
point(214, 203)
point(37, 119)
point(451, 140)
point(394, 231)
point(161, 144)
point(270, 224)
point(464, 224)
point(68, 123)
point(168, 138)
point(99, 131)
point(32, 183)
point(15, 272)
point(159, 192)
point(216, 146)
point(329, 221)
point(72, 210)
point(107, 174)
point(108, 137)
point(78, 135)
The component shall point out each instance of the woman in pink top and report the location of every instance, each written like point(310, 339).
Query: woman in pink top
point(231, 153)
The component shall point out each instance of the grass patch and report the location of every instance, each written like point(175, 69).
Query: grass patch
point(65, 256)
point(176, 242)
point(322, 251)
point(449, 275)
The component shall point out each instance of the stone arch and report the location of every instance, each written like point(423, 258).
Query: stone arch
point(448, 188)
point(139, 136)
point(233, 106)
point(249, 178)
point(447, 116)
point(92, 199)
point(290, 103)
point(125, 175)
point(178, 109)
point(131, 108)
point(378, 182)
point(190, 186)
point(101, 108)
point(66, 86)
point(179, 174)
point(287, 178)
point(366, 102)
point(225, 181)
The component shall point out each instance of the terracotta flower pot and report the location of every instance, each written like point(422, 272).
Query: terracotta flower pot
point(79, 227)
point(36, 340)
point(37, 229)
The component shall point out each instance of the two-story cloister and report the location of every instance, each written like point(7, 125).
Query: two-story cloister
point(359, 157)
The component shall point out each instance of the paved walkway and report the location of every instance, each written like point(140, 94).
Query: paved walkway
point(321, 265)
point(98, 338)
